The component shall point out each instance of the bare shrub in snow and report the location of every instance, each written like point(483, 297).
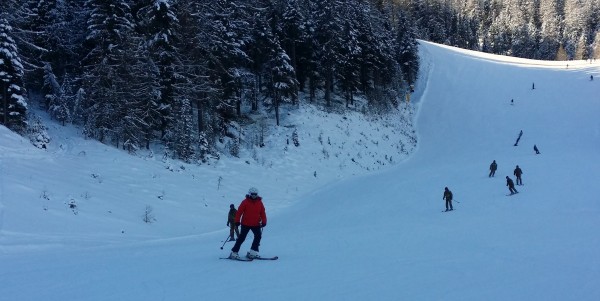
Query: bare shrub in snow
point(148, 216)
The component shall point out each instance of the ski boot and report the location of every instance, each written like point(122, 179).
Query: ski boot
point(252, 254)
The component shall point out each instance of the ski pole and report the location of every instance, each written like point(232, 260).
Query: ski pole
point(226, 240)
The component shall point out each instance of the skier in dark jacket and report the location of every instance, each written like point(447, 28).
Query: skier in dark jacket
point(536, 150)
point(251, 215)
point(448, 198)
point(511, 185)
point(231, 223)
point(493, 168)
point(519, 138)
point(518, 172)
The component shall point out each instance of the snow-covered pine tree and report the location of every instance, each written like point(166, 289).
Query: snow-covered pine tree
point(139, 115)
point(68, 89)
point(282, 79)
point(327, 40)
point(225, 32)
point(159, 23)
point(576, 26)
point(596, 47)
point(293, 36)
point(47, 47)
point(54, 96)
point(194, 71)
point(181, 137)
point(264, 39)
point(79, 101)
point(13, 109)
point(465, 35)
point(204, 149)
point(109, 28)
point(22, 17)
point(351, 56)
point(69, 29)
point(406, 47)
point(549, 30)
point(378, 66)
point(308, 64)
point(521, 27)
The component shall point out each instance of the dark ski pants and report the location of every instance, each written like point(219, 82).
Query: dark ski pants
point(243, 233)
point(519, 181)
point(512, 189)
point(449, 203)
point(233, 228)
point(492, 173)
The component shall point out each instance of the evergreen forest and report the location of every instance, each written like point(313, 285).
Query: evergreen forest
point(187, 75)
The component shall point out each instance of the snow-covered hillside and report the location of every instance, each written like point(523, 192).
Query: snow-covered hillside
point(360, 229)
point(77, 187)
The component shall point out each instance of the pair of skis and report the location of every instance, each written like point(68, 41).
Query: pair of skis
point(250, 259)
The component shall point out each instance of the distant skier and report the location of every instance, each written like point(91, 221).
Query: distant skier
point(511, 185)
point(233, 228)
point(493, 168)
point(518, 172)
point(519, 138)
point(591, 77)
point(536, 150)
point(251, 215)
point(533, 86)
point(448, 198)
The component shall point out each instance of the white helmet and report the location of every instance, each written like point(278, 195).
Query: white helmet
point(253, 191)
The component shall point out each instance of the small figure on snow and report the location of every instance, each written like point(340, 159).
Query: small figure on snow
point(511, 185)
point(251, 215)
point(518, 172)
point(448, 198)
point(493, 168)
point(533, 86)
point(536, 150)
point(519, 138)
point(591, 77)
point(233, 228)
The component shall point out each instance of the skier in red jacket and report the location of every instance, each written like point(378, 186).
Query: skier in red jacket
point(252, 217)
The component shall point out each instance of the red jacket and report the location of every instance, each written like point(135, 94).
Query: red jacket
point(251, 212)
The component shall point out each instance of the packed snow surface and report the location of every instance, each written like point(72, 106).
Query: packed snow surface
point(71, 216)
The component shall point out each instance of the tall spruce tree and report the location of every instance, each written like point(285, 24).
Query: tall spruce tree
point(406, 47)
point(13, 108)
point(160, 25)
point(282, 79)
point(141, 91)
point(550, 28)
point(54, 96)
point(183, 141)
point(327, 40)
point(293, 36)
point(197, 82)
point(225, 34)
point(109, 29)
point(352, 57)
